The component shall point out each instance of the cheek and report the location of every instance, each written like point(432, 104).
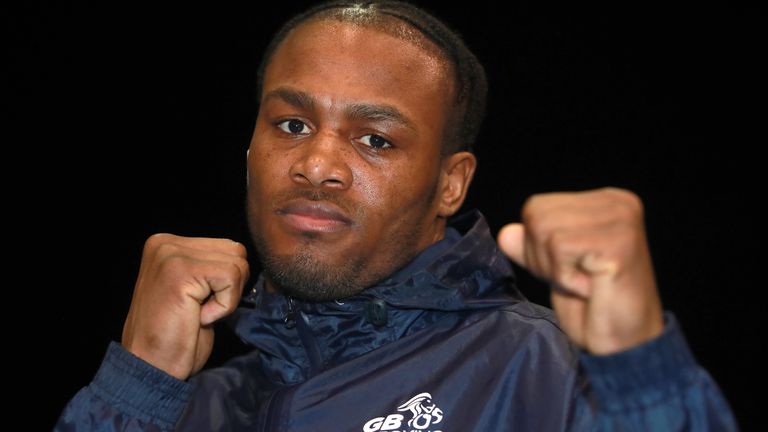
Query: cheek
point(264, 168)
point(397, 191)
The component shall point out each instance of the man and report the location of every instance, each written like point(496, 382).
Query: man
point(373, 312)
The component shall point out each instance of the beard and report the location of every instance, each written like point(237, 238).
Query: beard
point(305, 275)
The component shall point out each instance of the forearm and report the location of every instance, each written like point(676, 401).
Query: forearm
point(656, 386)
point(126, 394)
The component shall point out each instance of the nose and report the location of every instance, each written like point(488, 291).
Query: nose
point(322, 163)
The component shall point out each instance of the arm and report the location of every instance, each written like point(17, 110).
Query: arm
point(592, 248)
point(657, 386)
point(127, 394)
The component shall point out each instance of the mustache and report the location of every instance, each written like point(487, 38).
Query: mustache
point(351, 208)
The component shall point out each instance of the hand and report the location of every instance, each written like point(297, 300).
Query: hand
point(592, 248)
point(184, 285)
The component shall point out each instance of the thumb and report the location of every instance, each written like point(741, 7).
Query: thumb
point(512, 242)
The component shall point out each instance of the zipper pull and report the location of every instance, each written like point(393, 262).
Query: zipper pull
point(250, 297)
point(376, 312)
point(290, 318)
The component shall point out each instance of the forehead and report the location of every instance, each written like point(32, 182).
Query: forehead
point(341, 60)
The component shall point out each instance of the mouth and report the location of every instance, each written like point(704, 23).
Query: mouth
point(306, 216)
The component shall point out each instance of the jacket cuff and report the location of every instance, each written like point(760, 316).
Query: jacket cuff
point(139, 389)
point(643, 375)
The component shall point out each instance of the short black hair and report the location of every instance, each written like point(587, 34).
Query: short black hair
point(469, 75)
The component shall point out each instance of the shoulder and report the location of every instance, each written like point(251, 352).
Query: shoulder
point(523, 328)
point(521, 315)
point(530, 315)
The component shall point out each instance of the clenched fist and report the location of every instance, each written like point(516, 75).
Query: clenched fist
point(592, 248)
point(184, 286)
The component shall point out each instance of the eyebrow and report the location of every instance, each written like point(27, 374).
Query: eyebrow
point(355, 111)
point(296, 98)
point(380, 113)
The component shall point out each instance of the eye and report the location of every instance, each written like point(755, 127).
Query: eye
point(375, 141)
point(293, 126)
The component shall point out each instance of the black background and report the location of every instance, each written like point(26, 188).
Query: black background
point(129, 120)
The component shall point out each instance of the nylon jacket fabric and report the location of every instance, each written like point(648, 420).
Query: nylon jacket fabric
point(445, 344)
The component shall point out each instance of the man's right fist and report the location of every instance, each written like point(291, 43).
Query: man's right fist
point(185, 284)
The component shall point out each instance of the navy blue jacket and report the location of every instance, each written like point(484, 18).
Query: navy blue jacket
point(445, 344)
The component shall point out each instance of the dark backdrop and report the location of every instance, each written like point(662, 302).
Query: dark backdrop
point(135, 120)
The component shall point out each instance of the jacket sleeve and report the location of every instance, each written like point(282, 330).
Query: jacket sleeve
point(127, 394)
point(657, 386)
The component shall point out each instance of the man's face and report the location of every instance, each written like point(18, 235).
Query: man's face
point(345, 161)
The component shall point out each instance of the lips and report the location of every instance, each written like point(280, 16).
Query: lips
point(314, 216)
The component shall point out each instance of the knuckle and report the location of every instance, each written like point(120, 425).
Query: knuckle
point(624, 204)
point(530, 205)
point(166, 249)
point(243, 265)
point(613, 190)
point(627, 198)
point(635, 203)
point(632, 211)
point(155, 240)
point(239, 249)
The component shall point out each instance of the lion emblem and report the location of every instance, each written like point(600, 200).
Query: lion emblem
point(424, 411)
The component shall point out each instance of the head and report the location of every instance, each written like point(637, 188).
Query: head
point(361, 146)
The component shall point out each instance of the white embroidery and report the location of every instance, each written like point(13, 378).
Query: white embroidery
point(424, 413)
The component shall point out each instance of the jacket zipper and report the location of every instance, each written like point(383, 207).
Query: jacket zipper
point(290, 317)
point(305, 336)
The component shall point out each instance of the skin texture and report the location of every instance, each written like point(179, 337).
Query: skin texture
point(184, 285)
point(395, 199)
point(592, 247)
point(327, 206)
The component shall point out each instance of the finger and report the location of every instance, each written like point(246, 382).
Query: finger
point(512, 242)
point(593, 202)
point(581, 258)
point(204, 273)
point(222, 245)
point(565, 252)
point(226, 289)
point(195, 255)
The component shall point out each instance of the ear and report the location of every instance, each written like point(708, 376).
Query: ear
point(456, 174)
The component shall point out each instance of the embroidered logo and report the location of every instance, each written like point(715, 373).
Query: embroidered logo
point(423, 414)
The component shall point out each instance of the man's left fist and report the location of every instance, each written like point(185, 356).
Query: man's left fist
point(592, 248)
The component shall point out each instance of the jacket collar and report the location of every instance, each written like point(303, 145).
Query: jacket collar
point(463, 272)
